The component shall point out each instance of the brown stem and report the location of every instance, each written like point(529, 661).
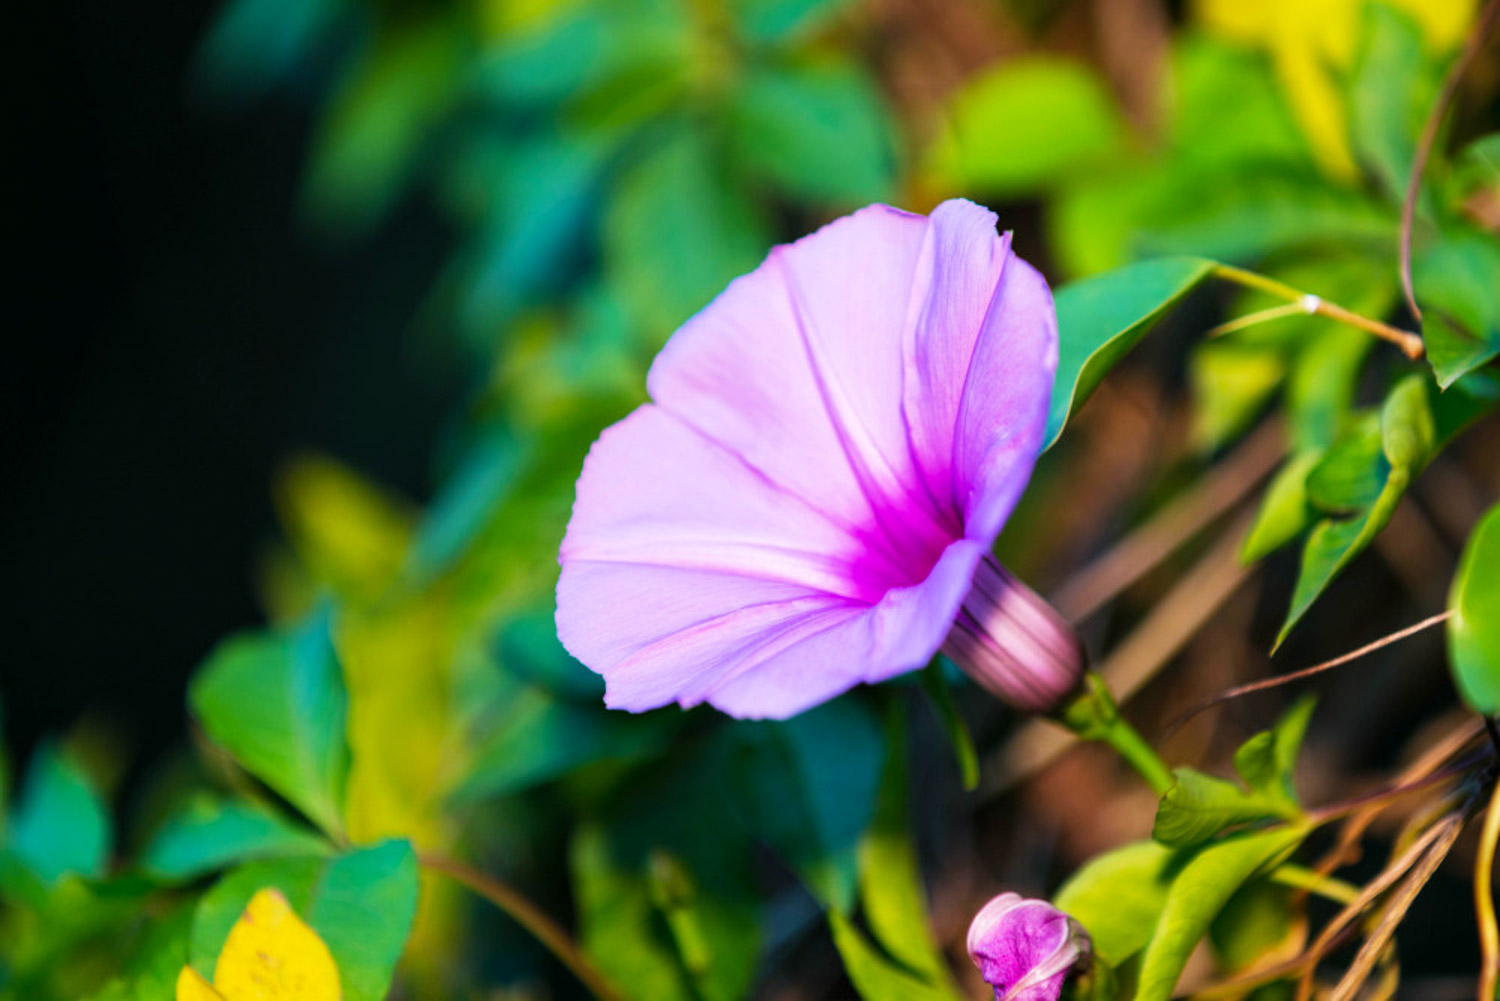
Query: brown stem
point(1409, 343)
point(1306, 672)
point(1484, 900)
point(1482, 28)
point(1222, 488)
point(528, 916)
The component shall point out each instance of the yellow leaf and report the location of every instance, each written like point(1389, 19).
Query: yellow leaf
point(192, 987)
point(271, 955)
point(1313, 44)
point(348, 533)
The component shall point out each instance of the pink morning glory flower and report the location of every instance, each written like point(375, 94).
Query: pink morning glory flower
point(1026, 948)
point(810, 500)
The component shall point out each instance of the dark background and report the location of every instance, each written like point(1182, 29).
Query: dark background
point(173, 333)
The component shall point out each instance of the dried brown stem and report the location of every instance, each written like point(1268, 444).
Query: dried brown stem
point(1487, 20)
point(1306, 672)
point(1484, 900)
point(1441, 834)
point(1217, 492)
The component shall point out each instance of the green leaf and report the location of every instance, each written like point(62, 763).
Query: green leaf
point(873, 975)
point(1199, 807)
point(1119, 895)
point(1099, 319)
point(780, 20)
point(1351, 474)
point(665, 896)
point(808, 786)
point(210, 834)
point(1320, 389)
point(1390, 95)
point(1365, 473)
point(1474, 627)
point(276, 702)
point(369, 141)
point(818, 129)
point(940, 695)
point(666, 926)
point(677, 231)
point(1284, 511)
point(538, 737)
point(1198, 893)
point(1455, 281)
point(1259, 918)
point(891, 891)
point(59, 824)
point(1231, 383)
point(1268, 761)
point(1029, 123)
point(255, 44)
point(156, 959)
point(361, 904)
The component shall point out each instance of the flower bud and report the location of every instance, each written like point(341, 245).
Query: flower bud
point(1015, 645)
point(1025, 949)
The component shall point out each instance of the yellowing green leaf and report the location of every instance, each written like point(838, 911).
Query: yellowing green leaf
point(270, 955)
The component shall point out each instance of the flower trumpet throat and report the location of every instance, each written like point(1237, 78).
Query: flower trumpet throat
point(1026, 949)
point(1013, 643)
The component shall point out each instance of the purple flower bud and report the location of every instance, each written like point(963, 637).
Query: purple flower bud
point(1025, 949)
point(1015, 645)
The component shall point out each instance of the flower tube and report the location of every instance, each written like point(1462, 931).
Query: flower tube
point(810, 500)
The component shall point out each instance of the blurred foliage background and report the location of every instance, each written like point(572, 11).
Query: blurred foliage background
point(324, 301)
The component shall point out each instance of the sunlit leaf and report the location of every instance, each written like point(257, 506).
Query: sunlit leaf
point(276, 702)
point(1231, 383)
point(1199, 891)
point(270, 955)
point(1027, 124)
point(1099, 319)
point(1268, 760)
point(1474, 628)
point(1118, 896)
point(874, 976)
point(1199, 807)
point(1284, 511)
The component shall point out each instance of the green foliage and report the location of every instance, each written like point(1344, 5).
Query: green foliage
point(1474, 628)
point(1455, 279)
point(1119, 897)
point(277, 704)
point(1026, 124)
point(206, 835)
point(361, 904)
point(58, 825)
point(1100, 319)
point(809, 786)
point(1357, 484)
point(1199, 890)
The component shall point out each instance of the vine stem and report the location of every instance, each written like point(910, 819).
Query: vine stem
point(1482, 27)
point(532, 918)
point(1409, 343)
point(1484, 900)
